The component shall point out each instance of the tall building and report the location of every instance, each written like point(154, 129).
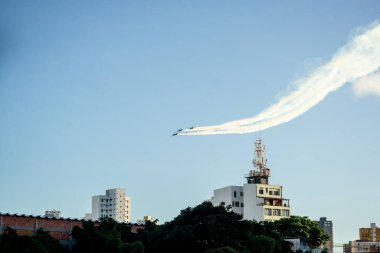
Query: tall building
point(327, 227)
point(114, 205)
point(371, 234)
point(369, 241)
point(256, 199)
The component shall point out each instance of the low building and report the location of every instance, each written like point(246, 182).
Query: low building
point(87, 216)
point(145, 219)
point(58, 228)
point(298, 244)
point(361, 247)
point(257, 199)
point(53, 214)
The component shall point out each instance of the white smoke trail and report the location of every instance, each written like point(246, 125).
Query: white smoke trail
point(368, 85)
point(359, 58)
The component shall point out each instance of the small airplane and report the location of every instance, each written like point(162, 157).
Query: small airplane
point(179, 130)
point(175, 134)
point(191, 128)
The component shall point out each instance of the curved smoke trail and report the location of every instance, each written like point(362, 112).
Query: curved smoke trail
point(358, 58)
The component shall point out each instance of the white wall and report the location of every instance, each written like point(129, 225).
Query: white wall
point(95, 215)
point(253, 209)
point(227, 195)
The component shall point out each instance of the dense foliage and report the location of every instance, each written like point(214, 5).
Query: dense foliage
point(41, 242)
point(109, 236)
point(205, 228)
point(303, 227)
point(202, 229)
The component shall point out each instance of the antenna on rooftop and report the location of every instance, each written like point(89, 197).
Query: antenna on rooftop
point(260, 172)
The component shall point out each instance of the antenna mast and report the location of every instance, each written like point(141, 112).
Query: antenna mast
point(260, 173)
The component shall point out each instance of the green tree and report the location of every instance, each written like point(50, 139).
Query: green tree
point(206, 228)
point(107, 236)
point(303, 227)
point(222, 250)
point(41, 242)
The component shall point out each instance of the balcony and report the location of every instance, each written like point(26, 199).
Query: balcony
point(275, 202)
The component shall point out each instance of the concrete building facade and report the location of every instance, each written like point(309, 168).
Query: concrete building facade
point(256, 199)
point(115, 204)
point(327, 227)
point(369, 241)
point(53, 214)
point(361, 247)
point(232, 196)
point(371, 234)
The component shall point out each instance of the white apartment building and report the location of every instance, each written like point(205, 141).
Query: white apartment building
point(231, 196)
point(256, 199)
point(114, 205)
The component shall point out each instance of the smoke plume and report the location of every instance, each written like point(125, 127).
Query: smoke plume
point(368, 85)
point(360, 57)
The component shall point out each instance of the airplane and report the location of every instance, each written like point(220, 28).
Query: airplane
point(191, 128)
point(175, 134)
point(179, 130)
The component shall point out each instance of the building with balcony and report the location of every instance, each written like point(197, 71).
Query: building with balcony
point(115, 204)
point(256, 199)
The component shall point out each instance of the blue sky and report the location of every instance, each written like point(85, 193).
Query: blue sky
point(91, 91)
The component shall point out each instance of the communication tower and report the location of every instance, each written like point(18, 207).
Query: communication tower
point(260, 173)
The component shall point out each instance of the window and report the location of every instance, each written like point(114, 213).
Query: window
point(237, 204)
point(268, 211)
point(242, 204)
point(234, 194)
point(285, 213)
point(261, 190)
point(270, 193)
point(241, 194)
point(266, 190)
point(277, 192)
point(276, 212)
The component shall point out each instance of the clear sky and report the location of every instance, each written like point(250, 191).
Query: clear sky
point(91, 91)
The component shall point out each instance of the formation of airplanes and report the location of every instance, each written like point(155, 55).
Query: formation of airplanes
point(180, 130)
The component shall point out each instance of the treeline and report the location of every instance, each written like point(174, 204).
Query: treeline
point(40, 242)
point(202, 229)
